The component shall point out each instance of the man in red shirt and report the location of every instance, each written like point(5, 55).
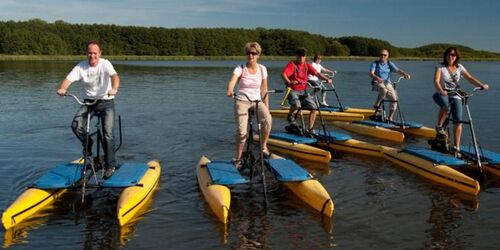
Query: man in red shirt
point(295, 76)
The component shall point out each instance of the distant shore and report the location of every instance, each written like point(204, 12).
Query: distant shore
point(211, 58)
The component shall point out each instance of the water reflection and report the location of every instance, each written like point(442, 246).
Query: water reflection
point(249, 222)
point(19, 233)
point(445, 219)
point(252, 221)
point(96, 218)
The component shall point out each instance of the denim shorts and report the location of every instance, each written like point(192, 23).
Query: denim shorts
point(454, 103)
point(306, 100)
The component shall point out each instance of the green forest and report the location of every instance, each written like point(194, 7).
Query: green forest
point(38, 37)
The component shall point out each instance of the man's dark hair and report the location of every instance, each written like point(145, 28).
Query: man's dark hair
point(301, 51)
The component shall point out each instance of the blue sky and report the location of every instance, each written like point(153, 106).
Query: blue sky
point(404, 23)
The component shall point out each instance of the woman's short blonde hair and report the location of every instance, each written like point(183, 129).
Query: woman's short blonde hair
point(253, 45)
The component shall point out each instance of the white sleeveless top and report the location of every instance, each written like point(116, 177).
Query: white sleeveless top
point(249, 84)
point(450, 80)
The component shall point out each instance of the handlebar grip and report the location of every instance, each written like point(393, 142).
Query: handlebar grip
point(275, 91)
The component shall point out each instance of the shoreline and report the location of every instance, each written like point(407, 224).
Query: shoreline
point(212, 58)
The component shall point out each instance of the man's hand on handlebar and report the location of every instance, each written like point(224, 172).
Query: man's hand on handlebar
point(61, 92)
point(112, 92)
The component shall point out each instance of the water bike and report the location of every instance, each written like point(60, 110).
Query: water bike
point(296, 137)
point(484, 160)
point(330, 113)
point(380, 127)
point(463, 169)
point(137, 180)
point(215, 178)
point(323, 139)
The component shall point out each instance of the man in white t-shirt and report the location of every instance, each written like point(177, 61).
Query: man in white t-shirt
point(101, 83)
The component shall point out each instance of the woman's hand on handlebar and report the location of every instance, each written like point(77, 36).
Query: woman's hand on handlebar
point(482, 87)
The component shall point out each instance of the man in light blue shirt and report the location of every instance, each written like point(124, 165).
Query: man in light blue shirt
point(380, 72)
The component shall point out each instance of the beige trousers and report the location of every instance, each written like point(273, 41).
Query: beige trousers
point(386, 90)
point(241, 113)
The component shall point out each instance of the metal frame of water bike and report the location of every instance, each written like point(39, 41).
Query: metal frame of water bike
point(400, 113)
point(322, 85)
point(87, 160)
point(465, 102)
point(248, 158)
point(317, 89)
point(332, 89)
point(298, 112)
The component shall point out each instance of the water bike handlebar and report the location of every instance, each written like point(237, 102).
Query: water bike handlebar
point(399, 79)
point(315, 86)
point(264, 97)
point(462, 94)
point(84, 102)
point(321, 86)
point(330, 75)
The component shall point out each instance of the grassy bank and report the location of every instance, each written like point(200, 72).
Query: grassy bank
point(209, 58)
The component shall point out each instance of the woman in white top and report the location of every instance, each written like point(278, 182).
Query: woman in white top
point(252, 79)
point(446, 81)
point(315, 81)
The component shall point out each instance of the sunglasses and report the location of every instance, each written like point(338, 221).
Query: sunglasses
point(252, 53)
point(383, 55)
point(452, 54)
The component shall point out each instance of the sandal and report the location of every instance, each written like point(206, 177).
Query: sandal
point(237, 164)
point(377, 109)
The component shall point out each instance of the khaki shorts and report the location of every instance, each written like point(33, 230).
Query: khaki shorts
point(241, 114)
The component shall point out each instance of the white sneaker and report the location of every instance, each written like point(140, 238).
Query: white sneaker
point(108, 172)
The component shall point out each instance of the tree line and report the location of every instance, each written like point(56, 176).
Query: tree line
point(38, 37)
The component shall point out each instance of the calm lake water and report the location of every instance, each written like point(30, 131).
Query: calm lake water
point(177, 111)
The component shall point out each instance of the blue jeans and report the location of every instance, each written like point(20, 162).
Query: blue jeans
point(452, 103)
point(105, 110)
